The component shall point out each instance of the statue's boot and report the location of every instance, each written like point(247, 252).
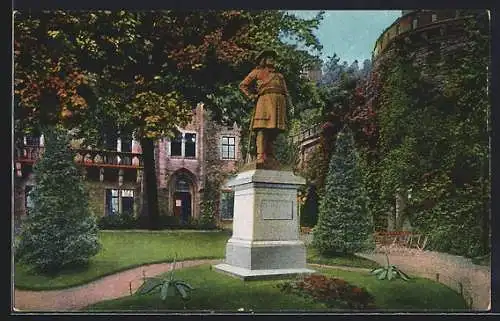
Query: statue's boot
point(260, 146)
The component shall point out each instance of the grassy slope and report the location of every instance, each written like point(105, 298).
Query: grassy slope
point(123, 250)
point(215, 291)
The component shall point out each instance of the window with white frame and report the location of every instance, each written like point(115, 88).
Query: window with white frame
point(228, 147)
point(119, 201)
point(183, 145)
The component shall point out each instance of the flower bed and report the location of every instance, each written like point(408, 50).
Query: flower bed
point(334, 292)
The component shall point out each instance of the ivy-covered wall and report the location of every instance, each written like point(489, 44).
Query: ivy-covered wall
point(432, 109)
point(97, 195)
point(95, 188)
point(216, 170)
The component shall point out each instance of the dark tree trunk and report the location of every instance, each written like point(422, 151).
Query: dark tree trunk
point(486, 220)
point(150, 194)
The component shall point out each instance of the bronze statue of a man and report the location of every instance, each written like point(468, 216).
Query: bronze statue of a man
point(271, 95)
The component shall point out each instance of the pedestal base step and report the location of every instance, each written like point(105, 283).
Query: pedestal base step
point(246, 274)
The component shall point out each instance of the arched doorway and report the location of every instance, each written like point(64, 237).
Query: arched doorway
point(182, 189)
point(182, 200)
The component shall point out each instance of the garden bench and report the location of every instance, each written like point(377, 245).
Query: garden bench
point(401, 241)
point(305, 230)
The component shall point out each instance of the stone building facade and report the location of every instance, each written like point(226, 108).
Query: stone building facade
point(430, 31)
point(183, 163)
point(114, 176)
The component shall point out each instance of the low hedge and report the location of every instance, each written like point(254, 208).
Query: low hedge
point(125, 221)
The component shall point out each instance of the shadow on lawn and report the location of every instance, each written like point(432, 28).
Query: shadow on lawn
point(349, 260)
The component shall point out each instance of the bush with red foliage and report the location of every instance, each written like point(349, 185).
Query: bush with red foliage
point(336, 293)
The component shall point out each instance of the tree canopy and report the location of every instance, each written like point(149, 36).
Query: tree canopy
point(145, 70)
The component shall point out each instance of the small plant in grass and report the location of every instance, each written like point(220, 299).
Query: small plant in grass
point(389, 272)
point(334, 292)
point(167, 287)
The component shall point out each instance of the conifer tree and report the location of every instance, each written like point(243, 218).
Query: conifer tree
point(344, 224)
point(60, 230)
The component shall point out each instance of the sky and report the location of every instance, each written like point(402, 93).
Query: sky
point(351, 34)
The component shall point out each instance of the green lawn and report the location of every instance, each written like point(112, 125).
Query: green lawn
point(216, 291)
point(313, 256)
point(416, 294)
point(125, 249)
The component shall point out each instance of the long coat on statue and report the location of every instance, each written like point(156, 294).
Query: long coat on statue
point(270, 111)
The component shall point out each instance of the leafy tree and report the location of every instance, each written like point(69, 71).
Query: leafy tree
point(344, 223)
point(60, 230)
point(344, 103)
point(142, 71)
point(332, 70)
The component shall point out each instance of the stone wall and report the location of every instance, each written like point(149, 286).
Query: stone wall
point(169, 166)
point(208, 156)
point(166, 165)
point(442, 38)
point(417, 20)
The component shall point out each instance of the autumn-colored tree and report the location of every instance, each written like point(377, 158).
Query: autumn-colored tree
point(144, 71)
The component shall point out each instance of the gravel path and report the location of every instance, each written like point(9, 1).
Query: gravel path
point(475, 281)
point(453, 270)
point(106, 288)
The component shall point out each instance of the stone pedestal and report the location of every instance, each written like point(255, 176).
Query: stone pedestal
point(265, 241)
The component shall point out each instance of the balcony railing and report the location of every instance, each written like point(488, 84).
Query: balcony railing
point(89, 157)
point(309, 133)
